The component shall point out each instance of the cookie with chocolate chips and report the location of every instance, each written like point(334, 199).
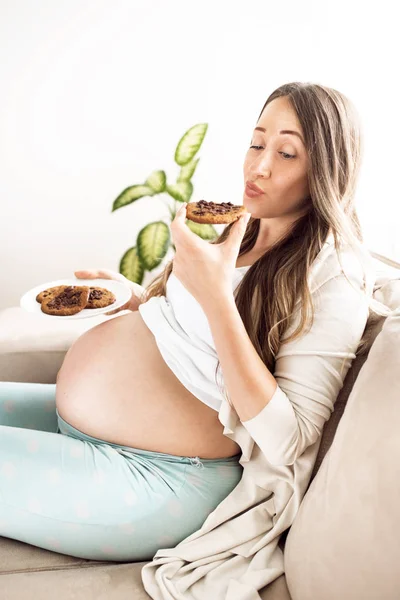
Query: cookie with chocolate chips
point(99, 298)
point(49, 292)
point(66, 302)
point(214, 212)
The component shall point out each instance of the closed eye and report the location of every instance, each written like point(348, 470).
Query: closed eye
point(285, 155)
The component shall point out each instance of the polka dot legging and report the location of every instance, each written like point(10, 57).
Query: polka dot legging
point(71, 493)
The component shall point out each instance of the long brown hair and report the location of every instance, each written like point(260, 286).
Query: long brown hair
point(271, 287)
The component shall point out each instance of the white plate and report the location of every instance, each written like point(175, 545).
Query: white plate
point(121, 292)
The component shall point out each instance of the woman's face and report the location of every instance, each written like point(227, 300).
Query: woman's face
point(278, 165)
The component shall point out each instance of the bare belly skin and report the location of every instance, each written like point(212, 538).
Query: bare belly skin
point(115, 385)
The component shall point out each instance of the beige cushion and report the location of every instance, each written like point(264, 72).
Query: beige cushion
point(33, 347)
point(344, 542)
point(387, 292)
point(28, 572)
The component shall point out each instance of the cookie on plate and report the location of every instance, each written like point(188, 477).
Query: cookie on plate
point(99, 297)
point(49, 292)
point(66, 302)
point(214, 212)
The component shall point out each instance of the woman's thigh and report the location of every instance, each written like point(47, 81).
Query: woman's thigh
point(99, 501)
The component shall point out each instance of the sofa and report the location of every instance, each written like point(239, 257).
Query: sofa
point(344, 542)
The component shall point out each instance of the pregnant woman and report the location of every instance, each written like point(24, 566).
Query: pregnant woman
point(125, 454)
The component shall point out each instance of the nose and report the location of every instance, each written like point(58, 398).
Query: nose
point(261, 166)
point(258, 173)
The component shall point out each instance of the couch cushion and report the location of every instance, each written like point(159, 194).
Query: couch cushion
point(344, 541)
point(28, 572)
point(33, 347)
point(17, 556)
point(387, 292)
point(102, 582)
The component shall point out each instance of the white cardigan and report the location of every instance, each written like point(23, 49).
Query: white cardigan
point(235, 553)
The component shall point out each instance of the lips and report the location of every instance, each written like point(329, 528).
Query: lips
point(254, 187)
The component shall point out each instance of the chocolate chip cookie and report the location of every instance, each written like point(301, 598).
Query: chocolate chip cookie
point(213, 212)
point(66, 302)
point(49, 292)
point(99, 298)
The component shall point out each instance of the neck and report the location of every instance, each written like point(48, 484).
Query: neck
point(271, 230)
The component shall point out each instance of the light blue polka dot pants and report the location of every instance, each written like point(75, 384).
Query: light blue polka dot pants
point(75, 494)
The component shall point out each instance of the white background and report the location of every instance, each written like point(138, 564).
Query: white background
point(96, 94)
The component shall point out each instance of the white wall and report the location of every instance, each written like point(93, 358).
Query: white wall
point(96, 94)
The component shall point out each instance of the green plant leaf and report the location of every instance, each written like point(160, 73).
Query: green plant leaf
point(156, 180)
point(187, 171)
point(181, 191)
point(190, 143)
point(152, 244)
point(131, 267)
point(130, 194)
point(203, 230)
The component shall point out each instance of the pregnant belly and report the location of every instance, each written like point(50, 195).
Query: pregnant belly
point(115, 385)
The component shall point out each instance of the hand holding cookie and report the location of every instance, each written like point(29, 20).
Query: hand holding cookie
point(206, 270)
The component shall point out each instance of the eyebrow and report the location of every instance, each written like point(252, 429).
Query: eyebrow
point(282, 132)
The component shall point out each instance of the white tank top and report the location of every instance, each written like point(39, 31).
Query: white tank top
point(183, 336)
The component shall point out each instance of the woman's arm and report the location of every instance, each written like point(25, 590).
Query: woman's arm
point(285, 412)
point(249, 383)
point(137, 291)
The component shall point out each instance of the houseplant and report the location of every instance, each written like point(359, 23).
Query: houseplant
point(154, 239)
